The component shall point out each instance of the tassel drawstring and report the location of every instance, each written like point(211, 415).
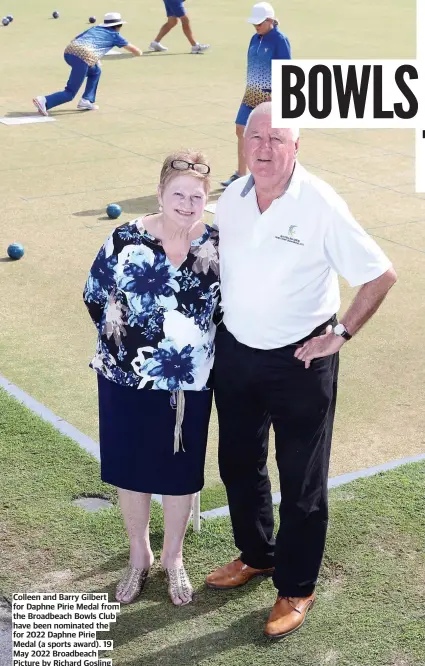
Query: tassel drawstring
point(177, 402)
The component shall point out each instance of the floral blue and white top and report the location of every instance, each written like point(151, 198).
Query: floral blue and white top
point(156, 323)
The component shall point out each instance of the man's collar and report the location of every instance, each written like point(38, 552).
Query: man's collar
point(292, 189)
point(248, 186)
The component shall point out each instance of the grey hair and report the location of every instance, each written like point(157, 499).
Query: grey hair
point(265, 108)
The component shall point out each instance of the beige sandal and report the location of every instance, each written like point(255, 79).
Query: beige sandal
point(131, 583)
point(179, 585)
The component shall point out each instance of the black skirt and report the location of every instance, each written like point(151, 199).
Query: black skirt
point(136, 429)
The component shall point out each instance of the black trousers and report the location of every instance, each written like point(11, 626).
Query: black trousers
point(253, 389)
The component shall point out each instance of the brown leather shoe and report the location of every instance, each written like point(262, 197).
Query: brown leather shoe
point(288, 614)
point(234, 574)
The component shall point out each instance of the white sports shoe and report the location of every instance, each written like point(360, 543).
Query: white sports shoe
point(86, 105)
point(157, 46)
point(40, 105)
point(200, 48)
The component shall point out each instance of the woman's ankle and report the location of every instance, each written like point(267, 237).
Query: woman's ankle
point(141, 556)
point(171, 560)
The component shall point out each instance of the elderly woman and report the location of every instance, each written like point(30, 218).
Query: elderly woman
point(152, 293)
point(266, 45)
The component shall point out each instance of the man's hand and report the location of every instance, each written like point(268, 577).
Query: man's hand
point(322, 345)
point(133, 49)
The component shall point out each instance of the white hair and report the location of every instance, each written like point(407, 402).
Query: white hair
point(265, 108)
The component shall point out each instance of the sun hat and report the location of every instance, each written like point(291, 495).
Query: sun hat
point(111, 19)
point(260, 12)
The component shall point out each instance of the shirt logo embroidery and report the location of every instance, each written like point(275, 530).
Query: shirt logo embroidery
point(265, 50)
point(290, 237)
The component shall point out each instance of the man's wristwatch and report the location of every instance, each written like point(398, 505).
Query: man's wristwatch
point(340, 330)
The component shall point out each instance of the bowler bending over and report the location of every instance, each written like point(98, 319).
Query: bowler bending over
point(83, 55)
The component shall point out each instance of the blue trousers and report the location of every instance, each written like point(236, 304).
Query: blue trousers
point(79, 71)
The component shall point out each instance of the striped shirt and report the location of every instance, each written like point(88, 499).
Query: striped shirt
point(92, 44)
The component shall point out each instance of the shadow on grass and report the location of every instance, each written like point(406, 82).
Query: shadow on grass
point(32, 113)
point(120, 560)
point(138, 620)
point(244, 631)
point(119, 56)
point(67, 112)
point(154, 611)
point(167, 53)
point(22, 114)
point(137, 206)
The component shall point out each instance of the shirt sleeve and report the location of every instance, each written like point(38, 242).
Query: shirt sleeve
point(100, 282)
point(351, 252)
point(120, 41)
point(283, 49)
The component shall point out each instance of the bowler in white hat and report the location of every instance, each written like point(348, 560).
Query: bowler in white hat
point(83, 55)
point(268, 44)
point(260, 12)
point(111, 20)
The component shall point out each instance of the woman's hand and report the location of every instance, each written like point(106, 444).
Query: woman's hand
point(184, 234)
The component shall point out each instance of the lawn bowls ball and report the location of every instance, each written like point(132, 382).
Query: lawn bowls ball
point(15, 251)
point(113, 211)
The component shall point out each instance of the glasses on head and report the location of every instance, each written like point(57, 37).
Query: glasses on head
point(183, 165)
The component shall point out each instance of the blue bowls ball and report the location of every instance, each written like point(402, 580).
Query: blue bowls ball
point(15, 251)
point(113, 211)
point(10, 18)
point(55, 14)
point(5, 21)
point(92, 19)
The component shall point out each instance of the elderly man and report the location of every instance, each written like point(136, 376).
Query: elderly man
point(285, 235)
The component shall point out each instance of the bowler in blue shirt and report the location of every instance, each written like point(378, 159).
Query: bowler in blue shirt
point(268, 44)
point(83, 55)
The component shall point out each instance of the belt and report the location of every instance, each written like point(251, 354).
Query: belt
point(317, 331)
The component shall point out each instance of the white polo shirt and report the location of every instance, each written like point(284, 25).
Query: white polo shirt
point(279, 269)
